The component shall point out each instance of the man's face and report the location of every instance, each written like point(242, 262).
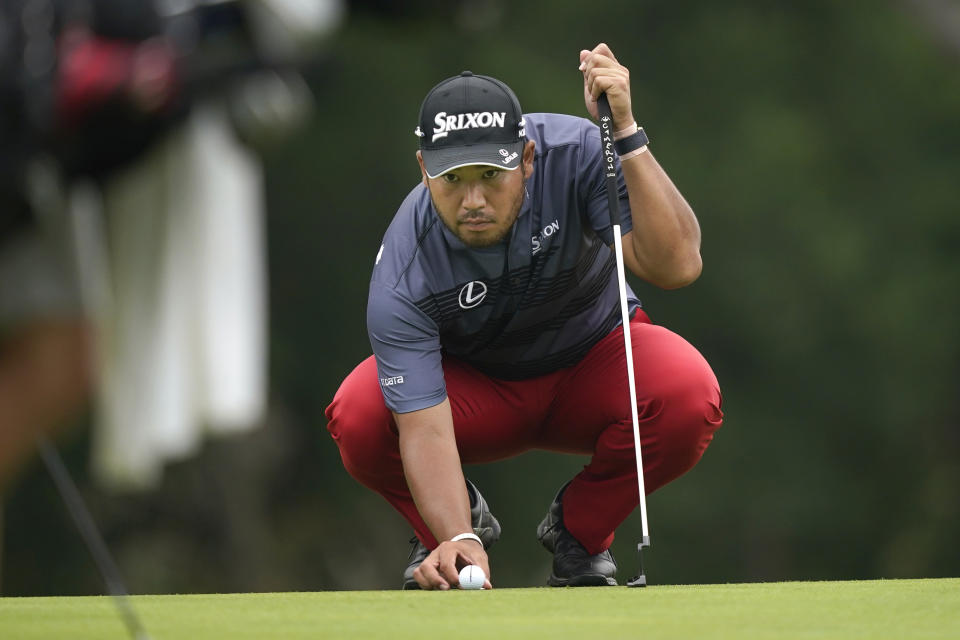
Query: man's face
point(480, 203)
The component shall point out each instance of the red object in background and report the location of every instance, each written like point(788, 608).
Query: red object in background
point(95, 71)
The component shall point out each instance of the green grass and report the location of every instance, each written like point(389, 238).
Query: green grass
point(842, 610)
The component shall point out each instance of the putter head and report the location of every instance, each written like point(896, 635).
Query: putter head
point(640, 580)
point(637, 581)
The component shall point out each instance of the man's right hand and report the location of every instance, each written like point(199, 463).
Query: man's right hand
point(441, 569)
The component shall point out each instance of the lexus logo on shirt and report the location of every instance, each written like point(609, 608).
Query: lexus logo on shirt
point(472, 294)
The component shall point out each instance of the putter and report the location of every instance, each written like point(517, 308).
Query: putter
point(606, 140)
point(91, 536)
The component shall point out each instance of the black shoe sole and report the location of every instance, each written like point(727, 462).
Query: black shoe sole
point(588, 580)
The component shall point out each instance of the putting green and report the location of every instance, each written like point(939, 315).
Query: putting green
point(842, 610)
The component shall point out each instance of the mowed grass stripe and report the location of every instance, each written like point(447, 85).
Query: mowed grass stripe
point(786, 610)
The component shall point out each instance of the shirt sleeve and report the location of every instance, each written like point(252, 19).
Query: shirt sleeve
point(406, 345)
point(593, 187)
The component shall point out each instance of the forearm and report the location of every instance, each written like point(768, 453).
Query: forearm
point(666, 235)
point(431, 464)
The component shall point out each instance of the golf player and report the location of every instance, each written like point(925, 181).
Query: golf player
point(494, 319)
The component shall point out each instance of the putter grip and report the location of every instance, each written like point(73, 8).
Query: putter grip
point(609, 163)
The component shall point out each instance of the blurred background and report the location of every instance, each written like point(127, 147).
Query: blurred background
point(819, 145)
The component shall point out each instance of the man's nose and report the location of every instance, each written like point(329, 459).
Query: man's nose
point(473, 197)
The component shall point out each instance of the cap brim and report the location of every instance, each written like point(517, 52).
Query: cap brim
point(504, 156)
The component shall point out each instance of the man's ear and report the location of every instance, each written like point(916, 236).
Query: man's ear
point(529, 150)
point(423, 170)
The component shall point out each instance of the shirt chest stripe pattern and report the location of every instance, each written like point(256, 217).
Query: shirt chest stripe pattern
point(491, 335)
point(444, 306)
point(560, 360)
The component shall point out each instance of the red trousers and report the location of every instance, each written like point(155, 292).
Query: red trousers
point(584, 409)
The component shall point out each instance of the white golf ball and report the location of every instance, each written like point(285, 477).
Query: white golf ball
point(472, 577)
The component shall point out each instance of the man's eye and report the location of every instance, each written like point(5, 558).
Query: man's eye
point(491, 173)
point(449, 177)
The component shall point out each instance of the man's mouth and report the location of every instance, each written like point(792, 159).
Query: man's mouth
point(476, 224)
